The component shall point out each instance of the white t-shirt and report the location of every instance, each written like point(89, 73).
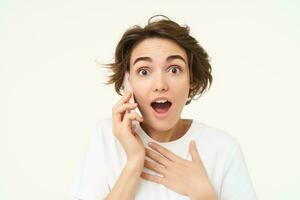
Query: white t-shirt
point(220, 153)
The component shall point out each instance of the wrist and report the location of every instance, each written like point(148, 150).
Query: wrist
point(135, 164)
point(208, 193)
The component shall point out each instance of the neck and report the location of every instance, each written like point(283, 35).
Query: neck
point(172, 134)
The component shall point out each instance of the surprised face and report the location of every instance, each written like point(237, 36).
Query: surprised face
point(159, 76)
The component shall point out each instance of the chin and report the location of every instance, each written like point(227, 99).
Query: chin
point(160, 125)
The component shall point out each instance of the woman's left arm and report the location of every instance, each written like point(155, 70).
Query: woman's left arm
point(183, 176)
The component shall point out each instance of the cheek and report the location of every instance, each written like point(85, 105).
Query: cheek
point(182, 95)
point(140, 93)
point(181, 88)
point(140, 96)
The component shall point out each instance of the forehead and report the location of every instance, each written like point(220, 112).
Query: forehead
point(157, 48)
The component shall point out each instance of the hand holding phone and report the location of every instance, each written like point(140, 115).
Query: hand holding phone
point(127, 87)
point(124, 126)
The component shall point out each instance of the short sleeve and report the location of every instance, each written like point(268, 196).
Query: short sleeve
point(90, 183)
point(237, 184)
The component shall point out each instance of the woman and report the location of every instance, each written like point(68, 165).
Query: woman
point(165, 157)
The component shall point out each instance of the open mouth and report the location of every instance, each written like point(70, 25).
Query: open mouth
point(161, 107)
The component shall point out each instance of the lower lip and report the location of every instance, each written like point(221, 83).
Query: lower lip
point(161, 115)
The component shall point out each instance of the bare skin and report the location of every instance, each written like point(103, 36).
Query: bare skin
point(161, 77)
point(185, 177)
point(129, 179)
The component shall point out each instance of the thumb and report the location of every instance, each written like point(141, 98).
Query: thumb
point(194, 152)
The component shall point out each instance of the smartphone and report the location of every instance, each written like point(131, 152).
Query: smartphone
point(127, 87)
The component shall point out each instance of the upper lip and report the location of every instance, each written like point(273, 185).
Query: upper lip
point(157, 98)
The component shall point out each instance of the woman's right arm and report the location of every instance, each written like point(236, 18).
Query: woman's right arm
point(129, 178)
point(127, 182)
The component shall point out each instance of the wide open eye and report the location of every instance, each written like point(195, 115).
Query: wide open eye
point(143, 72)
point(175, 69)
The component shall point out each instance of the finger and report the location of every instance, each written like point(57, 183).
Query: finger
point(129, 117)
point(153, 178)
point(157, 157)
point(194, 152)
point(133, 115)
point(122, 108)
point(125, 98)
point(165, 152)
point(116, 118)
point(155, 167)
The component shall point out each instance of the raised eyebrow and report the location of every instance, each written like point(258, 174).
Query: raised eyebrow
point(172, 57)
point(141, 59)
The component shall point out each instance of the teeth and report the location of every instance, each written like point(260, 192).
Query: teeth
point(161, 101)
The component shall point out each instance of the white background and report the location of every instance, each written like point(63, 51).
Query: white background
point(52, 91)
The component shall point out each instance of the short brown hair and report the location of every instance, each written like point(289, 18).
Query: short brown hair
point(198, 60)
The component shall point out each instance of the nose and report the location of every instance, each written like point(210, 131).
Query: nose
point(160, 83)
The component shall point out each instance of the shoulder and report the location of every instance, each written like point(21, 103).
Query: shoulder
point(215, 138)
point(103, 130)
point(104, 124)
